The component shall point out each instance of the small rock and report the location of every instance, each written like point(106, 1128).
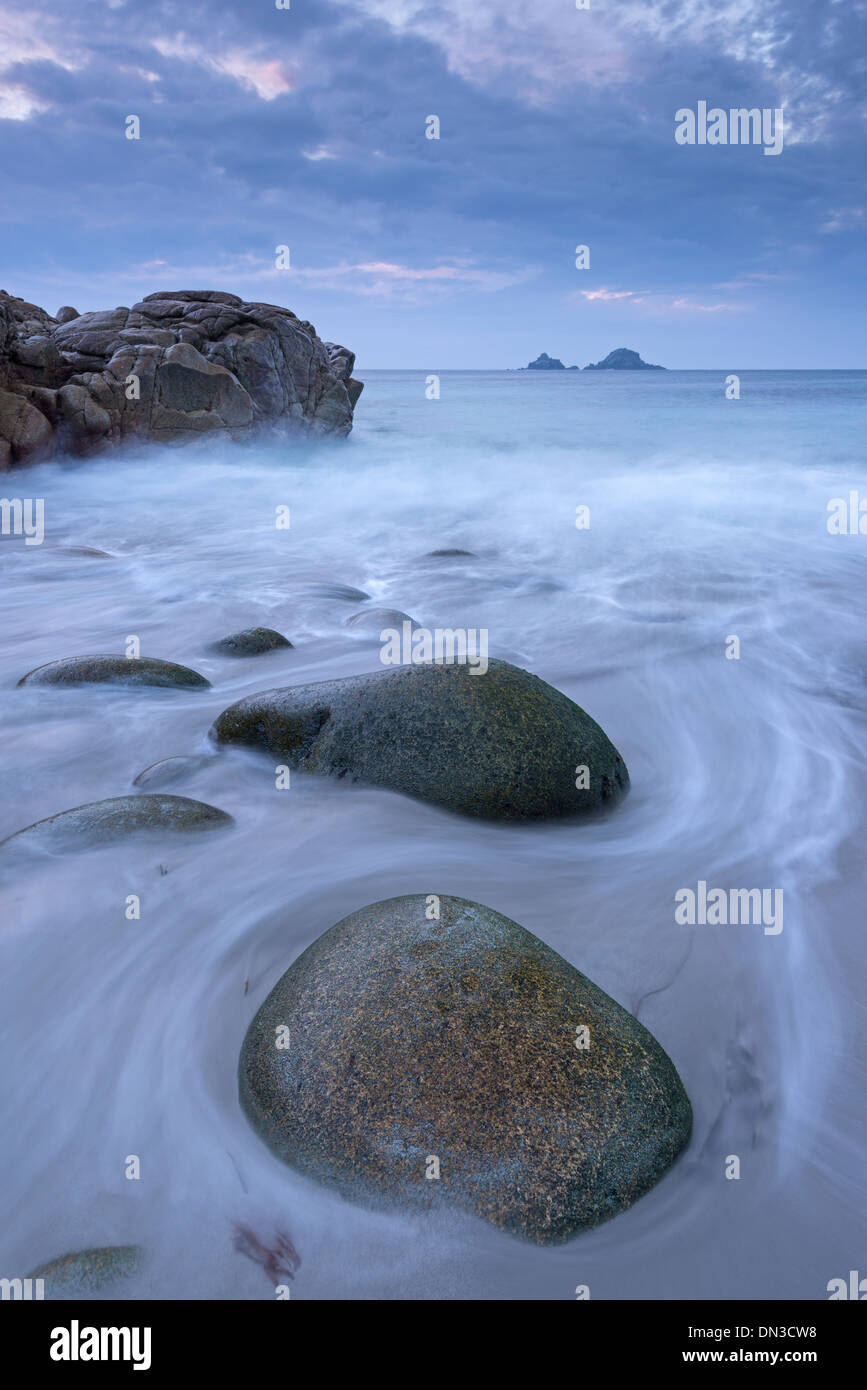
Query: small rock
point(87, 550)
point(115, 670)
point(169, 770)
point(251, 642)
point(117, 818)
point(376, 619)
point(88, 1271)
point(341, 591)
point(460, 1039)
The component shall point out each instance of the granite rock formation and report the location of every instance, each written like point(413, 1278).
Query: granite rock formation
point(176, 366)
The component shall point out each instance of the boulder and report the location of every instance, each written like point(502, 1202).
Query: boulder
point(169, 770)
point(26, 436)
point(439, 1054)
point(115, 670)
point(175, 366)
point(251, 642)
point(502, 745)
point(327, 589)
point(88, 1271)
point(103, 822)
point(375, 620)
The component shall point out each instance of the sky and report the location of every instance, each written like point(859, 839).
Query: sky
point(307, 127)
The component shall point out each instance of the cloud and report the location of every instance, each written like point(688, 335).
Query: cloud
point(264, 76)
point(544, 52)
point(845, 220)
point(691, 307)
point(17, 103)
point(606, 295)
point(306, 127)
point(657, 304)
point(250, 274)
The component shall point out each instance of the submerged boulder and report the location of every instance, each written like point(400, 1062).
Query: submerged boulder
point(433, 1028)
point(118, 817)
point(502, 745)
point(169, 770)
point(327, 589)
point(115, 670)
point(88, 1271)
point(251, 642)
point(376, 620)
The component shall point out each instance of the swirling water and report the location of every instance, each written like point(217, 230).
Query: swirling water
point(707, 521)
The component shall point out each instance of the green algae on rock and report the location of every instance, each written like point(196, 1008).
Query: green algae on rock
point(502, 745)
point(88, 1271)
point(115, 670)
point(456, 1037)
point(118, 817)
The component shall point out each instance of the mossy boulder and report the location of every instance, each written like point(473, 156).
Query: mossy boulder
point(414, 1036)
point(502, 745)
point(115, 670)
point(117, 818)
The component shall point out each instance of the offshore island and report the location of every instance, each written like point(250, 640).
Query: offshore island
point(621, 359)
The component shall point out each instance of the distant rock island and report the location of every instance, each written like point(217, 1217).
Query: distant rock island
point(544, 363)
point(623, 359)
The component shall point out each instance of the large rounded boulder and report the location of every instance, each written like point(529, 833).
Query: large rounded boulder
point(428, 1050)
point(502, 744)
point(116, 670)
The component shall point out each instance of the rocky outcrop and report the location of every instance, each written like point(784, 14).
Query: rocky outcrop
point(427, 1050)
point(502, 745)
point(176, 366)
point(623, 359)
point(544, 363)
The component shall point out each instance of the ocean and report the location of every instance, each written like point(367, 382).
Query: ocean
point(706, 520)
